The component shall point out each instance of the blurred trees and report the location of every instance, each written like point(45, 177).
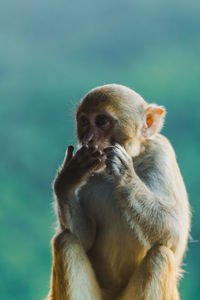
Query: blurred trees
point(51, 53)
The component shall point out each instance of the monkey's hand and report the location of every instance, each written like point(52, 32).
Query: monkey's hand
point(76, 169)
point(119, 163)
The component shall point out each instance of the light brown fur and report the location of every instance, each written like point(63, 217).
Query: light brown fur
point(122, 231)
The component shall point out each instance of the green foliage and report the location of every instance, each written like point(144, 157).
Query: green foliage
point(51, 53)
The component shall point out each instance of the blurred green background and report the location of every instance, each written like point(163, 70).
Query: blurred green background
point(51, 54)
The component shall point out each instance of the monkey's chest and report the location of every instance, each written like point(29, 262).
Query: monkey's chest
point(116, 251)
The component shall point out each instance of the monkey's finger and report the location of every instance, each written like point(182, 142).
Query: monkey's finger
point(114, 166)
point(98, 153)
point(103, 157)
point(109, 149)
point(109, 162)
point(108, 171)
point(114, 149)
point(92, 149)
point(83, 149)
point(110, 154)
point(109, 167)
point(123, 156)
point(121, 150)
point(81, 152)
point(69, 154)
point(85, 154)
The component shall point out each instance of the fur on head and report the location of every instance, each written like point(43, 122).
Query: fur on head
point(136, 119)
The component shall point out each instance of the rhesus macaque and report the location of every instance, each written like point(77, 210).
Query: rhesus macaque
point(121, 202)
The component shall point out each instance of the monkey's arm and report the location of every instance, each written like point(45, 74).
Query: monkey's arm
point(148, 205)
point(74, 170)
point(72, 217)
point(72, 275)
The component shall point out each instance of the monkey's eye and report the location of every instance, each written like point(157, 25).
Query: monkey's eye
point(83, 121)
point(102, 120)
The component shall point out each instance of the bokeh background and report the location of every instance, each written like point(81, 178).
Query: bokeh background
point(51, 54)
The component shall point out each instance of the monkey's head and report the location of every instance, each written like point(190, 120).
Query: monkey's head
point(112, 114)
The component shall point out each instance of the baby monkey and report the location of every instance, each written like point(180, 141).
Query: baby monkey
point(122, 207)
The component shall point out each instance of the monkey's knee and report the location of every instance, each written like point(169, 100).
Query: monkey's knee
point(158, 274)
point(67, 247)
point(160, 259)
point(64, 240)
point(59, 240)
point(161, 270)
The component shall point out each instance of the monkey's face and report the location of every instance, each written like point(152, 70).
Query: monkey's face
point(95, 129)
point(110, 115)
point(113, 114)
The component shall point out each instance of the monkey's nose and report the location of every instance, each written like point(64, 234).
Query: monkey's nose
point(88, 138)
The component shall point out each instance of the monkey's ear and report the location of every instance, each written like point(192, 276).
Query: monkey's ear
point(154, 119)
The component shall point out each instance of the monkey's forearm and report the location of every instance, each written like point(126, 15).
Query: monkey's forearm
point(152, 214)
point(72, 217)
point(66, 200)
point(64, 188)
point(63, 207)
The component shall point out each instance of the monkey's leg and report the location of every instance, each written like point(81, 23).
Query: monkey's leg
point(72, 275)
point(155, 278)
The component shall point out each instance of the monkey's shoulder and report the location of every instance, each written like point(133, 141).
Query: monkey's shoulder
point(158, 145)
point(157, 153)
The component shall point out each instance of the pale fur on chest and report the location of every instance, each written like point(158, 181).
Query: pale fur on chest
point(113, 254)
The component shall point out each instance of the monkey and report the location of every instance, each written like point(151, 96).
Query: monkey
point(122, 206)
